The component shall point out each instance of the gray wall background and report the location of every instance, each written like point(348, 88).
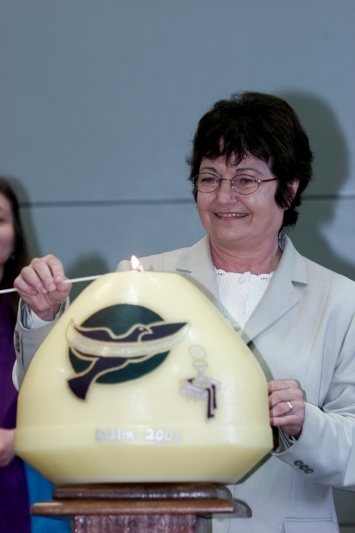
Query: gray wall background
point(99, 101)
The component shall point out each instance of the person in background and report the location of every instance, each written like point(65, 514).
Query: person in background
point(20, 485)
point(14, 502)
point(250, 163)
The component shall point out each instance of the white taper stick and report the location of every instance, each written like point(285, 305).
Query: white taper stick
point(75, 280)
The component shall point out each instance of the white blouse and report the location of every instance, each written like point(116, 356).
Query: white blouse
point(241, 293)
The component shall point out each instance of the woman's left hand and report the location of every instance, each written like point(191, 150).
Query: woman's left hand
point(6, 446)
point(287, 406)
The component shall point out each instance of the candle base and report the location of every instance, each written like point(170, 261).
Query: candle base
point(153, 508)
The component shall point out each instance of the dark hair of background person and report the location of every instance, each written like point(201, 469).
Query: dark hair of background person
point(20, 256)
point(266, 127)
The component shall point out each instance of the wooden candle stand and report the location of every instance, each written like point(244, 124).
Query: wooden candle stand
point(141, 507)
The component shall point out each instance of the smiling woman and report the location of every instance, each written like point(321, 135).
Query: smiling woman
point(249, 166)
point(239, 224)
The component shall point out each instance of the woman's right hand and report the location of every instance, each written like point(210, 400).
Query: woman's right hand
point(41, 286)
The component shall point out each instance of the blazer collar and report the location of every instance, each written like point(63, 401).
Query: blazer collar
point(280, 296)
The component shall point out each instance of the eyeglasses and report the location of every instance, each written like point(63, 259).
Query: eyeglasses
point(206, 182)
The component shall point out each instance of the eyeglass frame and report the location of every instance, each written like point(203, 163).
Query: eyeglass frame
point(256, 180)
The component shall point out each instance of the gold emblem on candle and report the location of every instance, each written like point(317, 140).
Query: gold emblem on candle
point(119, 343)
point(201, 387)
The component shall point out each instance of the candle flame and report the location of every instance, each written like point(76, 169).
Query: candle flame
point(136, 264)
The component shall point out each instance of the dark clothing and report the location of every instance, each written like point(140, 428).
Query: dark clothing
point(14, 504)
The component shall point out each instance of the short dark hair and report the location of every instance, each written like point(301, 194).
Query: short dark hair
point(266, 127)
point(20, 256)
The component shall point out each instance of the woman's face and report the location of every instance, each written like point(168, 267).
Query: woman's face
point(233, 220)
point(7, 232)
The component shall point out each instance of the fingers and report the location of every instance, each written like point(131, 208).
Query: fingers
point(287, 406)
point(41, 286)
point(41, 276)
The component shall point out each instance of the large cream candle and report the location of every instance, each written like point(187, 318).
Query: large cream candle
point(142, 379)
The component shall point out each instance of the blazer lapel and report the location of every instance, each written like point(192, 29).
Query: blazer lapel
point(281, 294)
